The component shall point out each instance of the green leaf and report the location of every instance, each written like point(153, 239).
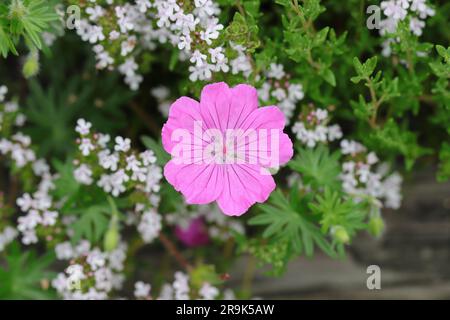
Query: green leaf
point(21, 275)
point(335, 211)
point(318, 167)
point(285, 221)
point(444, 164)
point(161, 155)
point(92, 222)
point(364, 70)
point(329, 77)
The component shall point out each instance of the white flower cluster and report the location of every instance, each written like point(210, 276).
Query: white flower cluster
point(278, 88)
point(142, 290)
point(92, 274)
point(118, 30)
point(121, 169)
point(38, 208)
point(398, 10)
point(149, 225)
point(7, 235)
point(17, 147)
point(360, 177)
point(313, 129)
point(180, 290)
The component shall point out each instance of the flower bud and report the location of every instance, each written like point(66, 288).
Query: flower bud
point(341, 235)
point(31, 65)
point(111, 239)
point(376, 226)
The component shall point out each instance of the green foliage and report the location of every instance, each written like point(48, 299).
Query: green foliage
point(319, 167)
point(52, 111)
point(335, 211)
point(241, 32)
point(24, 274)
point(25, 19)
point(287, 220)
point(89, 204)
point(444, 166)
point(398, 140)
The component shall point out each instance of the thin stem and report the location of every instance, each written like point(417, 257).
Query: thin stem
point(173, 250)
point(248, 276)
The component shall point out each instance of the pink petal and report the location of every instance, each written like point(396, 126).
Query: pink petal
point(271, 118)
point(244, 100)
point(182, 114)
point(265, 118)
point(286, 149)
point(215, 105)
point(244, 185)
point(200, 184)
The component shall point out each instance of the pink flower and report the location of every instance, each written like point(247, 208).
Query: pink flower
point(194, 235)
point(206, 166)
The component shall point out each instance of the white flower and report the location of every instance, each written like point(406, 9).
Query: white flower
point(295, 91)
point(416, 26)
point(128, 45)
point(95, 12)
point(11, 106)
point(29, 237)
point(198, 58)
point(351, 147)
point(29, 221)
point(7, 236)
point(334, 132)
point(149, 226)
point(83, 127)
point(372, 158)
point(49, 218)
point(216, 54)
point(124, 21)
point(75, 272)
point(181, 286)
point(208, 292)
point(86, 146)
point(64, 251)
point(393, 9)
point(279, 94)
point(108, 161)
point(160, 93)
point(185, 42)
point(83, 174)
point(114, 35)
point(25, 202)
point(211, 32)
point(122, 144)
point(148, 157)
point(141, 290)
point(96, 259)
point(96, 34)
point(102, 139)
point(276, 71)
point(143, 5)
point(3, 92)
point(321, 114)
